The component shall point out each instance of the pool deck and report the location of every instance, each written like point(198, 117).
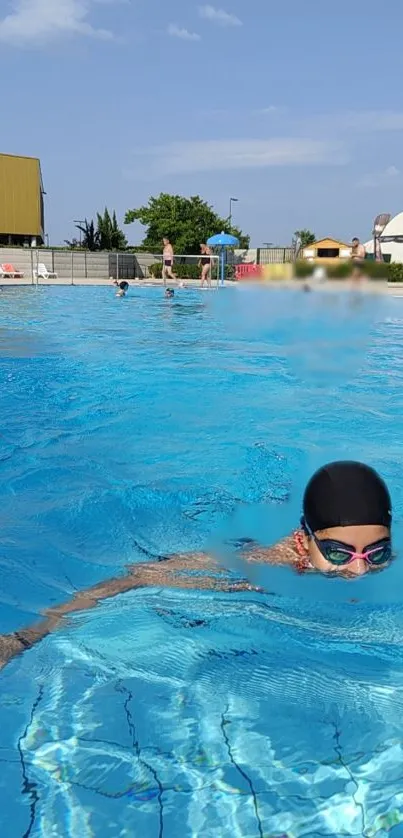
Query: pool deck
point(394, 288)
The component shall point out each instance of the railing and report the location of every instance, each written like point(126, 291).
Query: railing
point(275, 255)
point(248, 271)
point(80, 265)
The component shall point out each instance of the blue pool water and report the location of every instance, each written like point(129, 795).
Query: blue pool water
point(136, 428)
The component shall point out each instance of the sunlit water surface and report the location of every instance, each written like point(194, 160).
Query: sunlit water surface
point(136, 428)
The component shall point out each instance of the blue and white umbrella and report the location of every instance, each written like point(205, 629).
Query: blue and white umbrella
point(223, 240)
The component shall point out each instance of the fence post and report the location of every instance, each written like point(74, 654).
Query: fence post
point(117, 265)
point(32, 268)
point(72, 267)
point(37, 267)
point(85, 264)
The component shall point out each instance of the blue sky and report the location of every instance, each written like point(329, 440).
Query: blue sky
point(295, 109)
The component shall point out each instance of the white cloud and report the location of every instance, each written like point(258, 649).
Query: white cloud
point(219, 16)
point(220, 155)
point(388, 176)
point(39, 21)
point(180, 32)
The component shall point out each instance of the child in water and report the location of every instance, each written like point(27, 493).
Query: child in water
point(123, 288)
point(345, 530)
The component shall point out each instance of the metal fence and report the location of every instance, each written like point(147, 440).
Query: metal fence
point(76, 265)
point(275, 255)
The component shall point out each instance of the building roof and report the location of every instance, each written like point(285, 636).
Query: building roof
point(395, 226)
point(328, 240)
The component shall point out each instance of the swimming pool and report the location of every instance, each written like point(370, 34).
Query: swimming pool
point(140, 427)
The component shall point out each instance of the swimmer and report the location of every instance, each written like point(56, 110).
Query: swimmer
point(123, 288)
point(346, 522)
point(169, 293)
point(345, 530)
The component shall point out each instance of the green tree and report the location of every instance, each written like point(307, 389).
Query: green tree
point(73, 244)
point(110, 236)
point(107, 235)
point(90, 238)
point(187, 222)
point(305, 237)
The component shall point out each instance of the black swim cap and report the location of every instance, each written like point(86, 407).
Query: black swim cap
point(346, 494)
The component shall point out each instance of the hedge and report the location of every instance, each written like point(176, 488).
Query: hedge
point(392, 271)
point(191, 271)
point(395, 272)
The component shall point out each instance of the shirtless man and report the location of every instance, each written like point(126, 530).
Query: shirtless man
point(345, 530)
point(167, 260)
point(357, 251)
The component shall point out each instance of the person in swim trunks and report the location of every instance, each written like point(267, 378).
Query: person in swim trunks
point(205, 264)
point(167, 261)
point(357, 251)
point(357, 258)
point(345, 530)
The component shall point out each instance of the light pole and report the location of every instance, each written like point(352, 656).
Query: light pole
point(231, 201)
point(79, 221)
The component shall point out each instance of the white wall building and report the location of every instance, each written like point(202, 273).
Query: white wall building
point(391, 239)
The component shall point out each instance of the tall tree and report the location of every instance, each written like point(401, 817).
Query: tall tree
point(187, 222)
point(305, 237)
point(107, 235)
point(90, 238)
point(110, 236)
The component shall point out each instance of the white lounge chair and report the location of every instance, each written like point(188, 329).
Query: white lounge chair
point(43, 273)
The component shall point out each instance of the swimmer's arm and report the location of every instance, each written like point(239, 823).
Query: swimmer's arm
point(170, 573)
point(282, 553)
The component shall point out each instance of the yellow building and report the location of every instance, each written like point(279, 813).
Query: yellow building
point(21, 201)
point(327, 250)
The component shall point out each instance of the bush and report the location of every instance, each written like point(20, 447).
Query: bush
point(395, 272)
point(303, 268)
point(343, 269)
point(189, 271)
point(339, 270)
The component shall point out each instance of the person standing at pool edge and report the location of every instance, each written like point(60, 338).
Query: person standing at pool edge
point(205, 264)
point(357, 251)
point(167, 260)
point(345, 530)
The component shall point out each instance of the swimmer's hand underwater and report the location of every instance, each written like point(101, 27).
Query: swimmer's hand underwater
point(345, 529)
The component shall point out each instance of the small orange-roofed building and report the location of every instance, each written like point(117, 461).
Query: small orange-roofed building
point(327, 250)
